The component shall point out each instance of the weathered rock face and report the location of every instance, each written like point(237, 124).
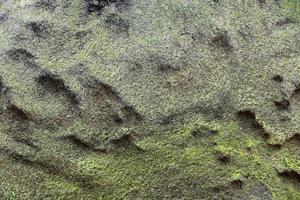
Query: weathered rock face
point(130, 99)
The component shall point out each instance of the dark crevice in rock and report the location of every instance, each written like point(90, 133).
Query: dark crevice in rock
point(56, 84)
point(20, 55)
point(20, 157)
point(295, 139)
point(125, 141)
point(290, 175)
point(296, 93)
point(27, 141)
point(81, 34)
point(100, 90)
point(78, 142)
point(261, 1)
point(210, 111)
point(54, 165)
point(91, 7)
point(131, 114)
point(1, 82)
point(4, 95)
point(85, 145)
point(224, 159)
point(282, 104)
point(103, 93)
point(18, 113)
point(248, 120)
point(96, 6)
point(274, 146)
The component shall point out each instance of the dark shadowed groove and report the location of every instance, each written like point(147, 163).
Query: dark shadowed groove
point(100, 90)
point(19, 113)
point(290, 175)
point(54, 83)
point(55, 166)
point(125, 141)
point(82, 144)
point(248, 119)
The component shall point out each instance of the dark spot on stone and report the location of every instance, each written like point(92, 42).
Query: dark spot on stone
point(96, 6)
point(222, 41)
point(285, 119)
point(19, 113)
point(81, 34)
point(282, 105)
point(19, 55)
point(47, 4)
point(203, 132)
point(116, 23)
point(166, 68)
point(117, 119)
point(1, 83)
point(216, 189)
point(262, 1)
point(249, 149)
point(23, 56)
point(53, 81)
point(93, 8)
point(38, 28)
point(237, 184)
point(247, 116)
point(3, 17)
point(285, 21)
point(121, 4)
point(278, 78)
point(224, 159)
point(275, 146)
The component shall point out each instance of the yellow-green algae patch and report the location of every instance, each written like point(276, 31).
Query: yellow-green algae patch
point(125, 173)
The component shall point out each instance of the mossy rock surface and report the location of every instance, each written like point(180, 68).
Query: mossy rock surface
point(156, 99)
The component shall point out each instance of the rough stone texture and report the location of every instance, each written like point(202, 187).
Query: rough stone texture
point(156, 99)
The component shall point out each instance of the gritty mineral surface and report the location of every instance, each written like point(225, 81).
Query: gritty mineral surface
point(149, 99)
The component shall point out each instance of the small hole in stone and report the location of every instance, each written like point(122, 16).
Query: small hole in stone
point(278, 78)
point(225, 159)
point(282, 105)
point(237, 184)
